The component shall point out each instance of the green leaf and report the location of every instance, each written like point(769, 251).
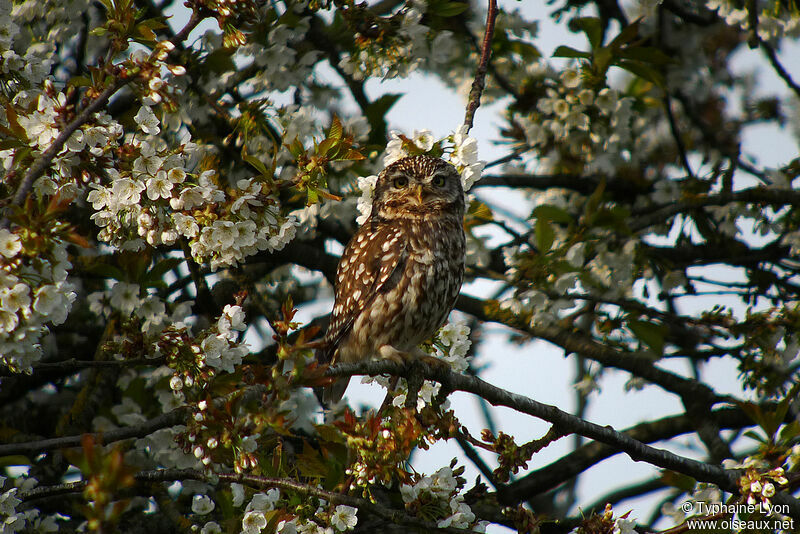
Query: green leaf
point(647, 54)
point(326, 145)
point(79, 81)
point(310, 463)
point(296, 148)
point(313, 196)
point(569, 52)
point(592, 27)
point(752, 434)
point(651, 334)
point(628, 34)
point(220, 60)
point(526, 50)
point(336, 130)
point(256, 163)
point(451, 9)
point(790, 432)
point(375, 113)
point(643, 71)
point(98, 32)
point(330, 434)
point(353, 155)
point(160, 268)
point(10, 142)
point(594, 201)
point(552, 213)
point(544, 235)
point(602, 60)
point(678, 480)
point(106, 271)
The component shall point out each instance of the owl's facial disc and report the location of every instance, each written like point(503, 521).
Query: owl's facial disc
point(418, 187)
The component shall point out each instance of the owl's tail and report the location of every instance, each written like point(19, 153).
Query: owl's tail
point(329, 395)
point(334, 393)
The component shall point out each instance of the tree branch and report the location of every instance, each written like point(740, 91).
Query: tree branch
point(480, 74)
point(390, 515)
point(573, 464)
point(637, 364)
point(565, 422)
point(647, 217)
point(168, 419)
point(74, 364)
point(776, 64)
point(31, 448)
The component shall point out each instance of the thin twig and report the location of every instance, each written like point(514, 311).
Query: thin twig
point(480, 74)
point(782, 72)
point(30, 448)
point(676, 134)
point(172, 418)
point(73, 364)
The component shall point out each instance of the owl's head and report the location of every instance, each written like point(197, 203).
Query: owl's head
point(418, 186)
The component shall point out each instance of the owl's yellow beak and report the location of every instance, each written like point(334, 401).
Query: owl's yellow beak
point(418, 194)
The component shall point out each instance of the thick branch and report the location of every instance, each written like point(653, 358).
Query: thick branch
point(754, 195)
point(565, 422)
point(637, 364)
point(73, 365)
point(578, 461)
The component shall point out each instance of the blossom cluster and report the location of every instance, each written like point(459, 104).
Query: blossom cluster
point(34, 293)
point(442, 489)
point(158, 202)
point(579, 122)
point(770, 25)
point(341, 518)
point(126, 298)
point(27, 520)
point(459, 148)
point(396, 54)
point(278, 66)
point(26, 62)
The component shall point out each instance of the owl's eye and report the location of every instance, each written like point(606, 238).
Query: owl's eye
point(438, 180)
point(400, 182)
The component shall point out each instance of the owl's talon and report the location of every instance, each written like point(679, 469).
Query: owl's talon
point(437, 364)
point(387, 352)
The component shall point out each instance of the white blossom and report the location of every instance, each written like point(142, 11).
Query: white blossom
point(253, 522)
point(202, 504)
point(10, 244)
point(344, 518)
point(147, 121)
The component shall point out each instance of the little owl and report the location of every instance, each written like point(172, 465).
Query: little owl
point(399, 276)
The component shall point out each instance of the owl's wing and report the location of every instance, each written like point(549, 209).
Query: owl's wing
point(374, 254)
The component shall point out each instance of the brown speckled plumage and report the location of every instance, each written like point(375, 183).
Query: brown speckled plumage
point(399, 276)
